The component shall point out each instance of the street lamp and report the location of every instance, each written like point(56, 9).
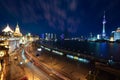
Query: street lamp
point(2, 54)
point(0, 66)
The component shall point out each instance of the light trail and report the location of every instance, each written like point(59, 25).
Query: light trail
point(33, 72)
point(49, 70)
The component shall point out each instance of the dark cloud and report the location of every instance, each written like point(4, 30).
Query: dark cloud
point(73, 15)
point(73, 5)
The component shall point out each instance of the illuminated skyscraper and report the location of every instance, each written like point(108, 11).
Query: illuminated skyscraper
point(103, 30)
point(51, 36)
point(46, 36)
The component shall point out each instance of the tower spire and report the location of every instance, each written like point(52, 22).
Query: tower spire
point(103, 31)
point(17, 31)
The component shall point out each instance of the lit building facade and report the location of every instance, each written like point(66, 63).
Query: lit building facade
point(49, 37)
point(112, 36)
point(17, 32)
point(98, 36)
point(117, 34)
point(7, 31)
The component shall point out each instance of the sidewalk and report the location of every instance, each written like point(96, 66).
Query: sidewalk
point(16, 70)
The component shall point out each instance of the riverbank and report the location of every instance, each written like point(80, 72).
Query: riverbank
point(107, 53)
point(100, 50)
point(70, 65)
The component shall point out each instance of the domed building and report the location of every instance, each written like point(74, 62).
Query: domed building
point(7, 31)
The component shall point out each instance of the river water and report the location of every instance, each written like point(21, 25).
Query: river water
point(102, 50)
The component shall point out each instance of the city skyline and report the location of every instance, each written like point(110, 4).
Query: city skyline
point(72, 16)
point(59, 40)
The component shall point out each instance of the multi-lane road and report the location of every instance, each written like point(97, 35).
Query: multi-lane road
point(49, 71)
point(22, 67)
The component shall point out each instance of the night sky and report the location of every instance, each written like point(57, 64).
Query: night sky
point(77, 17)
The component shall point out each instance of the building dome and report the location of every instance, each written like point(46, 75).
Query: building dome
point(7, 29)
point(7, 32)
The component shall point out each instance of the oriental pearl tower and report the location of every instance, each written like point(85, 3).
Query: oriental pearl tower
point(103, 30)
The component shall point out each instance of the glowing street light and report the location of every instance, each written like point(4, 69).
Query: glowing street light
point(0, 66)
point(2, 53)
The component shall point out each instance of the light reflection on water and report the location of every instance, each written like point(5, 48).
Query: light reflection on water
point(98, 49)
